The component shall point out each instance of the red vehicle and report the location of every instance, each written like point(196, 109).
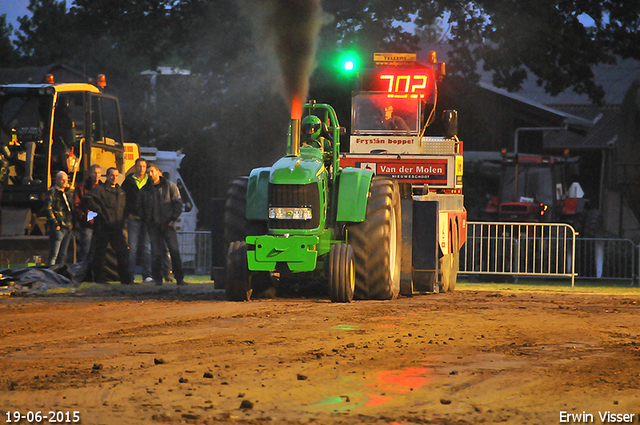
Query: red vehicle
point(536, 189)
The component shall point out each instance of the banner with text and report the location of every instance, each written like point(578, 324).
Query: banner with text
point(391, 144)
point(431, 171)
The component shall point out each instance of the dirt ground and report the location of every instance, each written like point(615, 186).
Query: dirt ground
point(131, 356)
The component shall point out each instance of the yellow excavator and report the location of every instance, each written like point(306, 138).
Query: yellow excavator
point(46, 128)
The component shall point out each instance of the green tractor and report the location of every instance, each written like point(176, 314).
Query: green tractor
point(305, 214)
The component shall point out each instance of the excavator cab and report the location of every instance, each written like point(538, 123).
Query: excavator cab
point(25, 118)
point(47, 128)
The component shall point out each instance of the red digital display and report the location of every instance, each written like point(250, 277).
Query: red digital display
point(399, 83)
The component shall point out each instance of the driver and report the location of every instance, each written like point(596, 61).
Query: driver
point(315, 134)
point(392, 121)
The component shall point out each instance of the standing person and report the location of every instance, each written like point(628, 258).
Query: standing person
point(80, 210)
point(166, 262)
point(160, 205)
point(136, 228)
point(108, 201)
point(59, 218)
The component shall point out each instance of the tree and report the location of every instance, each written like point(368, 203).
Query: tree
point(547, 38)
point(48, 35)
point(232, 105)
point(209, 35)
point(370, 25)
point(141, 29)
point(8, 54)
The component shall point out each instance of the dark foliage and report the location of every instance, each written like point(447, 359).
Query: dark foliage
point(228, 116)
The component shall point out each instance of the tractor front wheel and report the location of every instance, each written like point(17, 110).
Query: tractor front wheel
point(342, 275)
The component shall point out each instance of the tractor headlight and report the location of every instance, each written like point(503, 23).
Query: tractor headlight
point(290, 213)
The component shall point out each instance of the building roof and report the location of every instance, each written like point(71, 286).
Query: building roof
point(603, 134)
point(37, 74)
point(562, 116)
point(615, 79)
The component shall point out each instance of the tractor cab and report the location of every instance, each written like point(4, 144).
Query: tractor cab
point(535, 188)
point(376, 113)
point(528, 195)
point(395, 100)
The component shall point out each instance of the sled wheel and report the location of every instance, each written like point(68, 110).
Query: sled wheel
point(455, 257)
point(449, 263)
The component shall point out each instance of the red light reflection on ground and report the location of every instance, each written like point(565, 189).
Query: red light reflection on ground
point(401, 381)
point(375, 400)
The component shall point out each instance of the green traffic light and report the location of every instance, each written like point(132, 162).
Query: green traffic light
point(349, 65)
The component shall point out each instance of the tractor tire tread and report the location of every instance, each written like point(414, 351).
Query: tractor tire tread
point(340, 273)
point(371, 240)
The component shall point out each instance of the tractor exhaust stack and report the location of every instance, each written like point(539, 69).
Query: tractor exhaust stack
point(296, 117)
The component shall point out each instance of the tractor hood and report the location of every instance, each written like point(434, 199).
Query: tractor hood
point(303, 169)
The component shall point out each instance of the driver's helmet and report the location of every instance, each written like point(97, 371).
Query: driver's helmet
point(311, 126)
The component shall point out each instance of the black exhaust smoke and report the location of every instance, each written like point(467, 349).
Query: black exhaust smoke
point(289, 30)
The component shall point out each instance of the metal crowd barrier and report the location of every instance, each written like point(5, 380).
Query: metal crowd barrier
point(520, 249)
point(195, 250)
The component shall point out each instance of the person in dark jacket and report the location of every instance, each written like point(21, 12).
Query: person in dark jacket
point(59, 219)
point(108, 202)
point(137, 231)
point(80, 211)
point(159, 206)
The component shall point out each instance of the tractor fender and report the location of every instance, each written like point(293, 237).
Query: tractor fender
point(353, 192)
point(258, 194)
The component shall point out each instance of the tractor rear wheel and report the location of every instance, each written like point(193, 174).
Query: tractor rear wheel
point(376, 243)
point(342, 275)
point(236, 225)
point(238, 277)
point(235, 207)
